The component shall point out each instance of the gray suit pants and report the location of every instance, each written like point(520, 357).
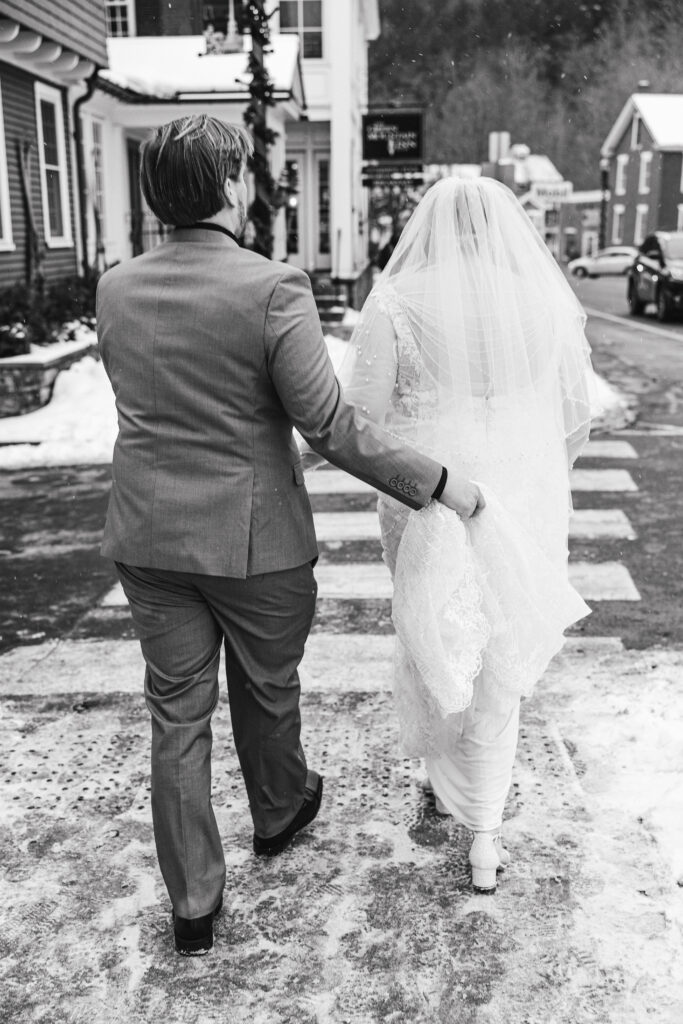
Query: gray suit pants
point(181, 620)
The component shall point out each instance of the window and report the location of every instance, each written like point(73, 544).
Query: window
point(617, 225)
point(53, 167)
point(679, 221)
point(120, 16)
point(636, 132)
point(645, 169)
point(5, 214)
point(324, 206)
point(620, 179)
point(641, 223)
point(680, 187)
point(292, 208)
point(304, 17)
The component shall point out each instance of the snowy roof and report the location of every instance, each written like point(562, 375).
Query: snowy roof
point(662, 114)
point(177, 67)
point(533, 168)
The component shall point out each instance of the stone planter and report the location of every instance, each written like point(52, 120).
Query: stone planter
point(26, 382)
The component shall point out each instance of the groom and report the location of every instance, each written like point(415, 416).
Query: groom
point(214, 353)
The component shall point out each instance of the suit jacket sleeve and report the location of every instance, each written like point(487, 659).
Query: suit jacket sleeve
point(302, 374)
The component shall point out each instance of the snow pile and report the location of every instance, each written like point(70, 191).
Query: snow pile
point(79, 426)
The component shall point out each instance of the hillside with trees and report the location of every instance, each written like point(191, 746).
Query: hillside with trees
point(554, 73)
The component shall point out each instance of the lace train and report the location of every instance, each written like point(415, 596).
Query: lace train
point(476, 603)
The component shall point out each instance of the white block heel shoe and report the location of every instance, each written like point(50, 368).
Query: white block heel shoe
point(487, 857)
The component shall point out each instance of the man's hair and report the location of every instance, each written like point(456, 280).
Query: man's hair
point(185, 164)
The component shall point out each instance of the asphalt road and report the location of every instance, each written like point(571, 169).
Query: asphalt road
point(53, 577)
point(638, 353)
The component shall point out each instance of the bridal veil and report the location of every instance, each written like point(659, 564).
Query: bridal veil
point(471, 347)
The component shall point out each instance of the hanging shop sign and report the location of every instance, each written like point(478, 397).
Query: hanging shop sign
point(393, 136)
point(393, 174)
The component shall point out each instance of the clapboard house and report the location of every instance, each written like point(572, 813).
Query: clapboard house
point(49, 56)
point(644, 153)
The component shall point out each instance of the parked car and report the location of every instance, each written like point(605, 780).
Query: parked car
point(616, 259)
point(657, 275)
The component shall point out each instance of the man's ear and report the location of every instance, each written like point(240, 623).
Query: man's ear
point(229, 192)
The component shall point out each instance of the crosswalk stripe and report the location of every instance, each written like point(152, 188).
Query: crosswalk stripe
point(333, 662)
point(603, 581)
point(602, 480)
point(340, 526)
point(600, 524)
point(352, 580)
point(336, 481)
point(114, 598)
point(596, 581)
point(585, 524)
point(609, 450)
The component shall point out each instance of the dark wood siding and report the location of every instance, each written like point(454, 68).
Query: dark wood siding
point(670, 195)
point(76, 24)
point(19, 112)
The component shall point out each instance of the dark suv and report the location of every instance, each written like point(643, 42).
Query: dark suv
point(657, 275)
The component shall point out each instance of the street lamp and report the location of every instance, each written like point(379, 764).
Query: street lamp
point(604, 195)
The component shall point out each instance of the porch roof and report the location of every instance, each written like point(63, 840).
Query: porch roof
point(153, 68)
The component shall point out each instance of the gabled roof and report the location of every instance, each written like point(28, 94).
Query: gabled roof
point(662, 115)
point(177, 67)
point(530, 168)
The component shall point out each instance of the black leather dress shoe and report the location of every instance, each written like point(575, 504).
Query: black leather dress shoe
point(304, 816)
point(194, 935)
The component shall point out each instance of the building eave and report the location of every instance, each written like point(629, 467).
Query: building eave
point(42, 56)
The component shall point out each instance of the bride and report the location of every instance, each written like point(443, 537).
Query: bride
point(471, 348)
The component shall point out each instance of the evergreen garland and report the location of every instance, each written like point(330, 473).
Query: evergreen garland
point(270, 194)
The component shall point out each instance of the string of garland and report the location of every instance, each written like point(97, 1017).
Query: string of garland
point(270, 194)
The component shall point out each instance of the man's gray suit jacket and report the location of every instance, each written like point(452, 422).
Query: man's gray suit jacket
point(214, 353)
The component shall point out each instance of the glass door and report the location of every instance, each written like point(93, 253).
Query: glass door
point(323, 227)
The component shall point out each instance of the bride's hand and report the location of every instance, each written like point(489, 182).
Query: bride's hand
point(462, 495)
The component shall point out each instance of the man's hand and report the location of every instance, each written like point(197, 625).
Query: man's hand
point(462, 495)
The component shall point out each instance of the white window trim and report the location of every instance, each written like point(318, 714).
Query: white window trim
point(679, 224)
point(47, 93)
point(641, 223)
point(300, 32)
point(6, 240)
point(130, 5)
point(620, 176)
point(618, 215)
point(645, 166)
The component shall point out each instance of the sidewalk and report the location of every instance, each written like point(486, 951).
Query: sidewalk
point(370, 916)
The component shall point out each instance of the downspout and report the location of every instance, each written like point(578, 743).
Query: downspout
point(80, 167)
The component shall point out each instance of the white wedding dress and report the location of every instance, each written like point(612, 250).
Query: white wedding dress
point(471, 347)
point(480, 605)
